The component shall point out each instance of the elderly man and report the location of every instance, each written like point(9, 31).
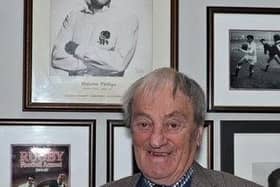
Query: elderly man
point(165, 111)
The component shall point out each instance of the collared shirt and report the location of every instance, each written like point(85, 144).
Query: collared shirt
point(185, 181)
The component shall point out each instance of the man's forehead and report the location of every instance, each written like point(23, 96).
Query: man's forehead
point(163, 96)
point(165, 104)
point(158, 88)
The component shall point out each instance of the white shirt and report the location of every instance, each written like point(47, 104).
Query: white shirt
point(85, 28)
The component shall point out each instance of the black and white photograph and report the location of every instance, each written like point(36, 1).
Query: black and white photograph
point(99, 38)
point(243, 63)
point(83, 54)
point(250, 149)
point(267, 173)
point(254, 59)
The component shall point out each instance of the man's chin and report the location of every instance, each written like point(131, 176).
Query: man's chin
point(157, 173)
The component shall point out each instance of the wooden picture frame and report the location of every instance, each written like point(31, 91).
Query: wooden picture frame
point(48, 86)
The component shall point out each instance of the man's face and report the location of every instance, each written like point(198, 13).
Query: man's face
point(249, 40)
point(30, 180)
point(164, 134)
point(61, 178)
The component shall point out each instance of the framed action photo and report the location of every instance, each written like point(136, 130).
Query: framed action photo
point(44, 153)
point(249, 149)
point(120, 157)
point(243, 59)
point(83, 55)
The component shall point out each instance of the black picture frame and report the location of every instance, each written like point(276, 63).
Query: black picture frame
point(206, 153)
point(221, 96)
point(52, 132)
point(114, 136)
point(256, 145)
point(112, 126)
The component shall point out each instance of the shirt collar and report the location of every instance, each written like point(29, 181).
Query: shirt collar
point(181, 182)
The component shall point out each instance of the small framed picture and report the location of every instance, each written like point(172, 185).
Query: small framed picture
point(249, 149)
point(83, 55)
point(243, 59)
point(44, 153)
point(42, 164)
point(120, 158)
point(205, 153)
point(119, 151)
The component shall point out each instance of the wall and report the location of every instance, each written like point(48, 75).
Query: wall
point(193, 57)
point(192, 60)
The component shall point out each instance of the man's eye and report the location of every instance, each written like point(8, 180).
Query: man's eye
point(173, 126)
point(142, 125)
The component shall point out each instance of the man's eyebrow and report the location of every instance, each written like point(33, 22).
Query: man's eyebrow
point(176, 114)
point(137, 114)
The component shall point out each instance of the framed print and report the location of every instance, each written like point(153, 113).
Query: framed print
point(243, 59)
point(119, 151)
point(80, 56)
point(42, 164)
point(120, 157)
point(44, 152)
point(205, 153)
point(249, 149)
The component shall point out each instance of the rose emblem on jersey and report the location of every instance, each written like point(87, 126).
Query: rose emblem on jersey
point(104, 37)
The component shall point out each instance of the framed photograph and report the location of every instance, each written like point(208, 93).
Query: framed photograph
point(249, 149)
point(42, 164)
point(243, 59)
point(120, 157)
point(80, 56)
point(44, 152)
point(205, 153)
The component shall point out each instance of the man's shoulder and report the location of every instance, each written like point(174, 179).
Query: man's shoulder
point(122, 17)
point(203, 176)
point(127, 181)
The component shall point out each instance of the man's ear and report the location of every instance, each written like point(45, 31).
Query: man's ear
point(199, 134)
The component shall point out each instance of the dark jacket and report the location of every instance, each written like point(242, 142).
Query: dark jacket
point(201, 178)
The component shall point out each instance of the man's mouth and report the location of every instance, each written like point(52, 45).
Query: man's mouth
point(159, 154)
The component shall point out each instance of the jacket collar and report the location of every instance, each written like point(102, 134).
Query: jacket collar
point(200, 179)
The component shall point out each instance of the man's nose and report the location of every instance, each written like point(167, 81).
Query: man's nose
point(157, 138)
